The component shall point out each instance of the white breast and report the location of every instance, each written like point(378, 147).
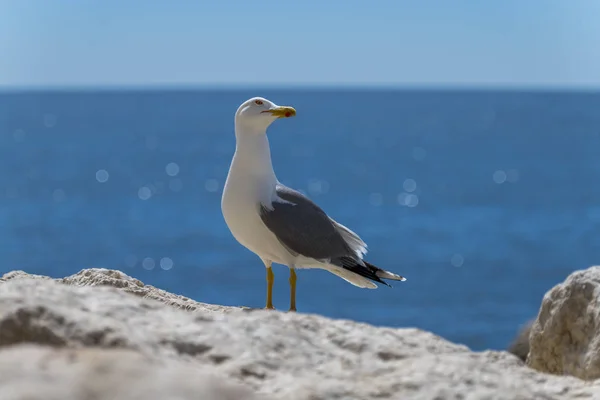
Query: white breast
point(248, 185)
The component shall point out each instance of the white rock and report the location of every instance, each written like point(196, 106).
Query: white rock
point(565, 337)
point(37, 372)
point(282, 355)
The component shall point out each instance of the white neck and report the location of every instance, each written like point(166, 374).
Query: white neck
point(253, 154)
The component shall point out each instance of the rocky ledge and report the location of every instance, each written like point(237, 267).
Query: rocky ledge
point(101, 334)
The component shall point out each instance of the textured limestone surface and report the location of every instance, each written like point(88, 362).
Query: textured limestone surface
point(565, 336)
point(145, 342)
point(40, 372)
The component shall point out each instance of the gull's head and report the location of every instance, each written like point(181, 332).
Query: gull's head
point(256, 114)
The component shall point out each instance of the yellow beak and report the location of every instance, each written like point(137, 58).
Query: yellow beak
point(282, 112)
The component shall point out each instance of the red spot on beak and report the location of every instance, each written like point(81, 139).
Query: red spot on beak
point(287, 114)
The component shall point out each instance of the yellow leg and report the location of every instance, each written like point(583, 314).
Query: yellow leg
point(270, 280)
point(292, 289)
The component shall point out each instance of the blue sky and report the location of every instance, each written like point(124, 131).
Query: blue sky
point(518, 43)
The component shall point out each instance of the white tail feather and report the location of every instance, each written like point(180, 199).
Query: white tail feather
point(351, 277)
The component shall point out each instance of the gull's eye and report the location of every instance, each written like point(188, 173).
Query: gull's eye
point(258, 102)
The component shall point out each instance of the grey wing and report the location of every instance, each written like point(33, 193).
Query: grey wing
point(304, 228)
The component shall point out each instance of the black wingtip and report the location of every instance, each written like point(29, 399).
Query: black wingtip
point(368, 271)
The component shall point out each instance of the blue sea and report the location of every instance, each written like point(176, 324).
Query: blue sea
point(484, 200)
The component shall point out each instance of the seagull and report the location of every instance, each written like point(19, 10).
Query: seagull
point(279, 224)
